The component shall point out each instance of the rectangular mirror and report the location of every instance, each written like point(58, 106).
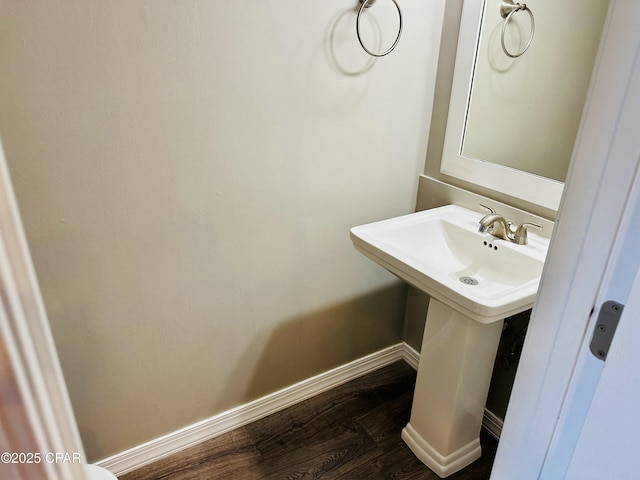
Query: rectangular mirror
point(512, 122)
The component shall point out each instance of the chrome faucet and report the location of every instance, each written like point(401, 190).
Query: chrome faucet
point(496, 225)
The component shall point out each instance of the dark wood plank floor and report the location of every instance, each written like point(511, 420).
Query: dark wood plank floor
point(351, 432)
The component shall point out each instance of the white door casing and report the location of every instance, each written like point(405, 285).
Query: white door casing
point(36, 419)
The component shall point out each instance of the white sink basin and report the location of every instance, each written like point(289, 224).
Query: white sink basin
point(438, 250)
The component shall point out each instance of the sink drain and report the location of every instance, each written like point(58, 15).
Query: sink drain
point(469, 280)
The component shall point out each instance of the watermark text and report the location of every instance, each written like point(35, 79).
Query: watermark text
point(38, 457)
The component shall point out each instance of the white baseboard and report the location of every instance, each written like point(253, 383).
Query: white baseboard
point(492, 423)
point(411, 356)
point(224, 422)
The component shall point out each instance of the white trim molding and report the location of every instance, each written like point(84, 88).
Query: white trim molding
point(224, 422)
point(410, 355)
point(250, 412)
point(32, 379)
point(493, 423)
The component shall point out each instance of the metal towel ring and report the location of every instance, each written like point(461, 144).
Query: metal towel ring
point(367, 4)
point(508, 8)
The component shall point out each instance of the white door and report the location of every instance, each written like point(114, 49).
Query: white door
point(597, 429)
point(608, 446)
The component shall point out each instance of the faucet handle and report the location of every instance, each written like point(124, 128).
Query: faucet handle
point(520, 236)
point(487, 207)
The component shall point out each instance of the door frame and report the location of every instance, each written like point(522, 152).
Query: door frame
point(37, 417)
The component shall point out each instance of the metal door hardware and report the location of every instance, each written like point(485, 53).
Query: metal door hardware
point(605, 328)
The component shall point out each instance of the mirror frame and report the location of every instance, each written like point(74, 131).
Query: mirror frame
point(525, 186)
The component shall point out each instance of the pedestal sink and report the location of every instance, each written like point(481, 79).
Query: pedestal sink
point(474, 280)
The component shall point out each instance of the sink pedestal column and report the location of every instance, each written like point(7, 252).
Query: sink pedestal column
point(456, 362)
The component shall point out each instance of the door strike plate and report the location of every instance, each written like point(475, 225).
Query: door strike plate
point(605, 328)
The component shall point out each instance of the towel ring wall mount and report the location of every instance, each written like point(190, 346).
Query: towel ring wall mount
point(367, 4)
point(507, 9)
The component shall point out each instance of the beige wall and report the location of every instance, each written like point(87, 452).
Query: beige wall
point(187, 173)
